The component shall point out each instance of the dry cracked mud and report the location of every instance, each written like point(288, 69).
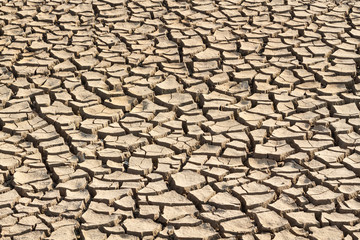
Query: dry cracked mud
point(179, 119)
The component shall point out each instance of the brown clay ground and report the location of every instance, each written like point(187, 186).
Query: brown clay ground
point(163, 119)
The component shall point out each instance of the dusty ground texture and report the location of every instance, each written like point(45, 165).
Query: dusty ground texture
point(163, 119)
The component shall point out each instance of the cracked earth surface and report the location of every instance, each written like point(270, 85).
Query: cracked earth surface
point(164, 119)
